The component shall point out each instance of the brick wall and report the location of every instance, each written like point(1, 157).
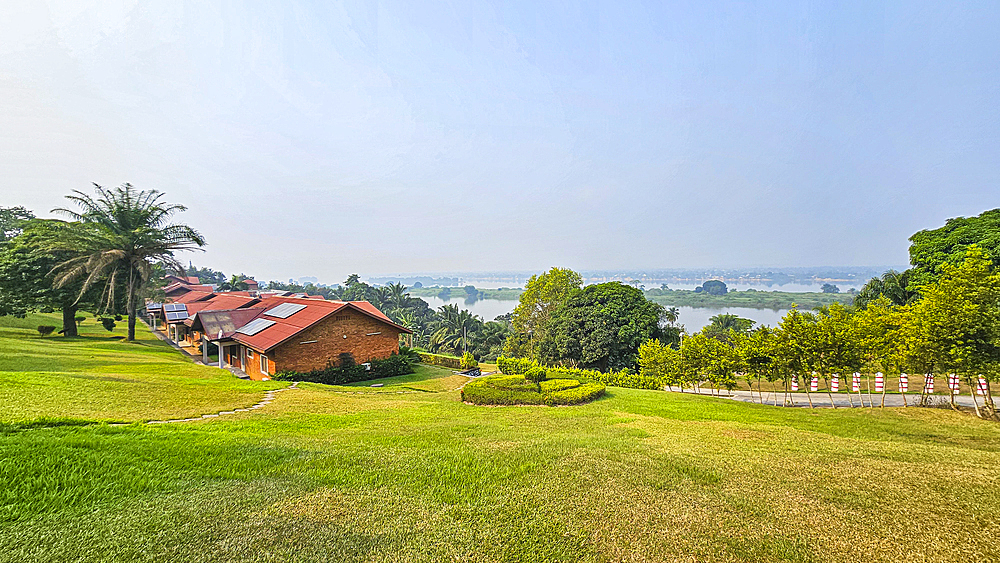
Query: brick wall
point(366, 339)
point(252, 367)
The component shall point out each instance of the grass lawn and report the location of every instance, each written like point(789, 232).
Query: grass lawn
point(325, 474)
point(99, 376)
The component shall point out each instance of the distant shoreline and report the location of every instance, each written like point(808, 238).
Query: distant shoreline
point(752, 299)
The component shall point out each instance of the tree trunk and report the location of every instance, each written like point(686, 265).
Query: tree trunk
point(988, 401)
point(131, 305)
point(809, 396)
point(829, 392)
point(69, 320)
point(975, 401)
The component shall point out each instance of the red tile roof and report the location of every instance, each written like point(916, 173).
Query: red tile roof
point(221, 302)
point(193, 296)
point(315, 311)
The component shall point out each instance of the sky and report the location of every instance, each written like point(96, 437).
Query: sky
point(325, 138)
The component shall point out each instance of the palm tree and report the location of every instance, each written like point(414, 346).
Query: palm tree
point(892, 284)
point(454, 328)
point(118, 236)
point(235, 283)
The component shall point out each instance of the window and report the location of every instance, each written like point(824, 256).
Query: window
point(263, 364)
point(343, 318)
point(249, 353)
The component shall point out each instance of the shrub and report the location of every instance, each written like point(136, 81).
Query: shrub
point(108, 323)
point(79, 319)
point(557, 385)
point(512, 366)
point(468, 361)
point(623, 378)
point(439, 360)
point(394, 365)
point(45, 330)
point(118, 318)
point(535, 374)
point(515, 390)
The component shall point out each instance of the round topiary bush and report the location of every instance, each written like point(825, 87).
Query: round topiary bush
point(468, 361)
point(517, 390)
point(45, 330)
point(536, 374)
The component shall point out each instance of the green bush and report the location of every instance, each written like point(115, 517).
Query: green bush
point(468, 361)
point(45, 330)
point(440, 360)
point(79, 319)
point(623, 378)
point(108, 323)
point(557, 385)
point(514, 366)
point(397, 364)
point(535, 374)
point(515, 390)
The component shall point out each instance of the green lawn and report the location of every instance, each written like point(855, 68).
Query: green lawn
point(99, 376)
point(327, 474)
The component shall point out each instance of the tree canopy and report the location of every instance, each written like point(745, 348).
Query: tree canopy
point(931, 249)
point(601, 327)
point(542, 295)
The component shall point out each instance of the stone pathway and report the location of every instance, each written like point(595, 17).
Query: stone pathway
point(268, 397)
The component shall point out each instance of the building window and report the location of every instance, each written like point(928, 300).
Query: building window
point(343, 318)
point(263, 365)
point(249, 353)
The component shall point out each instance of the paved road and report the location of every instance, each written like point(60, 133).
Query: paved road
point(821, 399)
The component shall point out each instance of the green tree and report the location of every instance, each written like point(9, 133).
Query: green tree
point(726, 326)
point(879, 336)
point(118, 236)
point(754, 357)
point(454, 329)
point(931, 249)
point(791, 348)
point(12, 219)
point(660, 361)
point(542, 295)
point(892, 285)
point(234, 283)
point(829, 288)
point(959, 320)
point(601, 327)
point(26, 278)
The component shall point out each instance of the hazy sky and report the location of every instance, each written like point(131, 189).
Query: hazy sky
point(323, 138)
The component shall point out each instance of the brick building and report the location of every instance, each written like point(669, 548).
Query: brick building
point(297, 334)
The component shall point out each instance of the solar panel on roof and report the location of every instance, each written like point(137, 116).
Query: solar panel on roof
point(284, 310)
point(177, 315)
point(175, 307)
point(154, 306)
point(254, 326)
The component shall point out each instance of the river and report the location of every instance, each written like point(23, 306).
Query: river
point(693, 318)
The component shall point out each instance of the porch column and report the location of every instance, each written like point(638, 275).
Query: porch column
point(204, 349)
point(222, 355)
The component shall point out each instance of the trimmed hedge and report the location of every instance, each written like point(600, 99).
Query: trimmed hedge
point(623, 378)
point(515, 390)
point(557, 385)
point(397, 364)
point(441, 360)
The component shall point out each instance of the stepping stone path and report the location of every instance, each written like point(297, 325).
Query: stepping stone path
point(268, 397)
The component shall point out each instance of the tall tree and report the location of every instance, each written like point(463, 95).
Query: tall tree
point(117, 237)
point(931, 249)
point(26, 278)
point(530, 319)
point(601, 327)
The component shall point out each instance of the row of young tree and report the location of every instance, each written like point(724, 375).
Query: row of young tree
point(952, 328)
